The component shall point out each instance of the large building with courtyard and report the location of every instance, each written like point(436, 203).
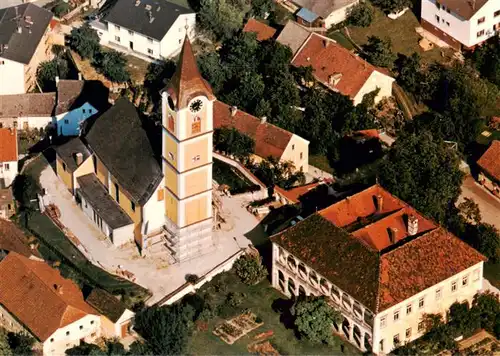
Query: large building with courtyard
point(381, 264)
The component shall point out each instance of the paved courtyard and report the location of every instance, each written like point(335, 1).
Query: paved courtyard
point(488, 204)
point(152, 273)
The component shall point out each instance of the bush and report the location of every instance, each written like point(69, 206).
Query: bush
point(360, 15)
point(240, 190)
point(61, 9)
point(235, 299)
point(250, 269)
point(85, 41)
point(112, 65)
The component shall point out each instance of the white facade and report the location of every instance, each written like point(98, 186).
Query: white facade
point(11, 77)
point(375, 81)
point(297, 151)
point(135, 42)
point(153, 212)
point(8, 171)
point(339, 15)
point(483, 25)
point(360, 325)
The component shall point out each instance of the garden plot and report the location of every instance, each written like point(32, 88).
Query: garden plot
point(233, 329)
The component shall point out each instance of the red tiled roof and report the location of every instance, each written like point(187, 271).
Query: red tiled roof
point(328, 58)
point(295, 193)
point(490, 160)
point(263, 31)
point(38, 296)
point(372, 133)
point(8, 145)
point(12, 239)
point(187, 81)
point(376, 271)
point(269, 140)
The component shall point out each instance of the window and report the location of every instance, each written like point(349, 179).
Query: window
point(117, 193)
point(476, 275)
point(395, 339)
point(64, 166)
point(83, 110)
point(67, 333)
point(171, 122)
point(408, 333)
point(94, 160)
point(301, 155)
point(293, 147)
point(180, 41)
point(81, 327)
point(421, 303)
point(160, 195)
point(196, 125)
point(171, 156)
point(480, 33)
point(496, 13)
point(14, 124)
point(421, 326)
point(132, 206)
point(481, 20)
point(117, 27)
point(92, 322)
point(438, 293)
point(465, 281)
point(396, 315)
point(150, 40)
point(6, 166)
point(454, 286)
point(408, 309)
point(150, 51)
point(2, 63)
point(117, 38)
point(51, 339)
point(66, 121)
point(383, 322)
point(131, 33)
point(381, 344)
point(438, 18)
point(447, 23)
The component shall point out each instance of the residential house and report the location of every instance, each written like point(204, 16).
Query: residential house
point(263, 31)
point(146, 28)
point(8, 156)
point(24, 43)
point(335, 67)
point(489, 165)
point(321, 13)
point(460, 23)
point(7, 207)
point(64, 110)
point(36, 299)
point(116, 319)
point(12, 239)
point(270, 140)
point(380, 263)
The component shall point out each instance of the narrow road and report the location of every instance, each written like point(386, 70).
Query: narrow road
point(488, 204)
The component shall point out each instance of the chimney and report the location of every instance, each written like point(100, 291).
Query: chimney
point(379, 199)
point(233, 109)
point(78, 158)
point(263, 119)
point(392, 234)
point(412, 225)
point(58, 288)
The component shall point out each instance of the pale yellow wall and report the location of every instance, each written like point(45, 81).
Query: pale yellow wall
point(171, 207)
point(195, 210)
point(65, 176)
point(102, 172)
point(295, 147)
point(171, 180)
point(86, 167)
point(107, 327)
point(189, 120)
point(171, 147)
point(192, 149)
point(196, 182)
point(42, 53)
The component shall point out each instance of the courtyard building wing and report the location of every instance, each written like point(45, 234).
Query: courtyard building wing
point(69, 150)
point(27, 105)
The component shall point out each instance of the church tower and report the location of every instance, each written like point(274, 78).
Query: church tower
point(187, 109)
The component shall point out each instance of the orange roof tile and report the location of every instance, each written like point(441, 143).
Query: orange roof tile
point(187, 82)
point(8, 145)
point(39, 297)
point(270, 140)
point(376, 271)
point(295, 193)
point(372, 133)
point(12, 239)
point(490, 160)
point(327, 58)
point(263, 31)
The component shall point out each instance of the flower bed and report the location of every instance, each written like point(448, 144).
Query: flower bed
point(233, 329)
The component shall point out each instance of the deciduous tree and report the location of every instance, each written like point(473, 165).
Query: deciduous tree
point(231, 141)
point(470, 211)
point(378, 51)
point(392, 6)
point(250, 269)
point(113, 65)
point(47, 72)
point(360, 15)
point(85, 41)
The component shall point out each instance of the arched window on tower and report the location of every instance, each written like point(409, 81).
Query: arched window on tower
point(171, 123)
point(196, 125)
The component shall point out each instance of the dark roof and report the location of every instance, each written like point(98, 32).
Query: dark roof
point(33, 22)
point(125, 13)
point(72, 94)
point(106, 304)
point(121, 143)
point(12, 239)
point(27, 105)
point(344, 243)
point(187, 82)
point(96, 194)
point(67, 152)
point(464, 8)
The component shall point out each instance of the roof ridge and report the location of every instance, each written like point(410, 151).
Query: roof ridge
point(390, 215)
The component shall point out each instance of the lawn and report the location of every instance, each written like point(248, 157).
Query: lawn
point(401, 32)
point(259, 299)
point(55, 246)
point(492, 273)
point(223, 173)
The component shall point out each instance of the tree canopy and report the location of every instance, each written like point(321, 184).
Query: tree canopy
point(220, 19)
point(378, 51)
point(392, 6)
point(113, 65)
point(360, 15)
point(84, 40)
point(47, 72)
point(232, 142)
point(273, 172)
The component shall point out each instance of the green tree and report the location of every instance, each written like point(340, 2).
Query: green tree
point(250, 269)
point(261, 8)
point(378, 52)
point(231, 141)
point(220, 19)
point(4, 343)
point(486, 306)
point(212, 70)
point(486, 239)
point(113, 65)
point(61, 9)
point(273, 172)
point(248, 89)
point(360, 15)
point(424, 172)
point(314, 319)
point(157, 76)
point(487, 60)
point(470, 211)
point(85, 41)
point(47, 72)
point(20, 343)
point(392, 6)
point(409, 71)
point(166, 329)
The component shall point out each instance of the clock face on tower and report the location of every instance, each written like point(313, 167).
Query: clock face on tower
point(196, 106)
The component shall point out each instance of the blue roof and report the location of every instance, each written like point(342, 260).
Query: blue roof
point(307, 15)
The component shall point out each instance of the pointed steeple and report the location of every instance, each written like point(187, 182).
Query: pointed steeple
point(187, 81)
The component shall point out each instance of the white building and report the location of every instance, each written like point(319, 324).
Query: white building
point(461, 24)
point(8, 156)
point(35, 298)
point(24, 43)
point(321, 13)
point(380, 263)
point(146, 28)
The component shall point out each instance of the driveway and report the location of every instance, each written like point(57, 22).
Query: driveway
point(152, 273)
point(488, 204)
